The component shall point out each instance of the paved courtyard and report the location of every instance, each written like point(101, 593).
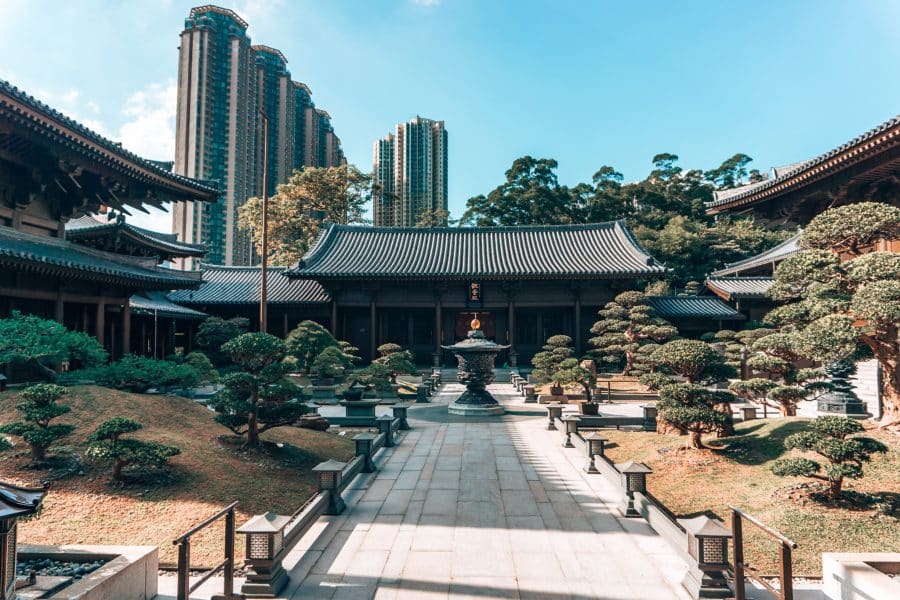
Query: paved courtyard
point(490, 509)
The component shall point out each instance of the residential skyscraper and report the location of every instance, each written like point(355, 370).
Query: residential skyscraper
point(216, 129)
point(417, 181)
point(224, 83)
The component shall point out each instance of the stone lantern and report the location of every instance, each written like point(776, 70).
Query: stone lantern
point(634, 476)
point(707, 544)
point(554, 412)
point(15, 502)
point(571, 422)
point(596, 444)
point(330, 475)
point(364, 442)
point(384, 423)
point(265, 542)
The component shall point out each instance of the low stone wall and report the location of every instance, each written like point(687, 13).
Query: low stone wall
point(130, 574)
point(861, 576)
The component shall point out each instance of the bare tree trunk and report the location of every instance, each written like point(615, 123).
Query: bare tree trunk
point(117, 470)
point(696, 440)
point(788, 410)
point(38, 452)
point(890, 397)
point(252, 421)
point(834, 488)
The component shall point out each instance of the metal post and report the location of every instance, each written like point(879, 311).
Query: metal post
point(738, 539)
point(184, 568)
point(265, 225)
point(228, 586)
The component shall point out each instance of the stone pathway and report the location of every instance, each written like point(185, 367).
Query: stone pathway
point(493, 508)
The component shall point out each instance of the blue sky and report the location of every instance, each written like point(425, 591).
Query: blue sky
point(587, 83)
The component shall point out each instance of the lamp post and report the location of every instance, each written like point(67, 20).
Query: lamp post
point(596, 446)
point(265, 542)
point(264, 264)
point(634, 476)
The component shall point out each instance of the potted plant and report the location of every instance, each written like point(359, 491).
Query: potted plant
point(355, 391)
point(548, 362)
point(397, 360)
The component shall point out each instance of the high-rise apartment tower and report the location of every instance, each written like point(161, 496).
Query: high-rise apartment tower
point(410, 168)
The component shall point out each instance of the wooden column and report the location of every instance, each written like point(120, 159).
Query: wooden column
point(373, 326)
point(511, 325)
point(437, 331)
point(100, 323)
point(143, 336)
point(126, 328)
point(59, 312)
point(334, 319)
point(84, 318)
point(579, 350)
point(285, 324)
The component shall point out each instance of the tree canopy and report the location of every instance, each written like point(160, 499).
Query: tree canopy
point(665, 210)
point(311, 197)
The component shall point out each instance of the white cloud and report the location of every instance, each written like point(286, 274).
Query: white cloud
point(258, 12)
point(150, 128)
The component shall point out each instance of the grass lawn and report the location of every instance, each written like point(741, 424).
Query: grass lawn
point(697, 482)
point(211, 472)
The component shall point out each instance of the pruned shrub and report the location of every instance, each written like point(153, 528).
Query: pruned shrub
point(107, 444)
point(38, 409)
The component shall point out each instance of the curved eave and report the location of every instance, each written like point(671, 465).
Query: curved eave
point(39, 266)
point(46, 121)
point(881, 139)
point(471, 276)
point(162, 247)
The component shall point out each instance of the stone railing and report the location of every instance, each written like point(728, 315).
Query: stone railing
point(702, 542)
point(268, 545)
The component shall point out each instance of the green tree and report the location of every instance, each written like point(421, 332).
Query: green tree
point(206, 371)
point(215, 331)
point(330, 363)
point(430, 218)
point(311, 197)
point(44, 344)
point(628, 323)
point(833, 439)
point(691, 409)
point(138, 374)
point(107, 444)
point(397, 360)
point(38, 409)
point(257, 398)
point(548, 362)
point(531, 195)
point(839, 297)
point(307, 341)
point(692, 359)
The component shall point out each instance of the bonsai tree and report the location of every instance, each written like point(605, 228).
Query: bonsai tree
point(570, 372)
point(692, 359)
point(107, 444)
point(258, 397)
point(397, 360)
point(44, 344)
point(691, 288)
point(628, 323)
point(752, 390)
point(307, 341)
point(38, 409)
point(215, 331)
point(726, 341)
point(786, 397)
point(331, 363)
point(832, 438)
point(839, 296)
point(548, 362)
point(691, 409)
point(206, 372)
point(655, 381)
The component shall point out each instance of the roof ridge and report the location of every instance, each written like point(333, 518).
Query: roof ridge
point(478, 228)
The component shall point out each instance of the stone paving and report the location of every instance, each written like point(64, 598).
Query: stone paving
point(478, 508)
point(493, 508)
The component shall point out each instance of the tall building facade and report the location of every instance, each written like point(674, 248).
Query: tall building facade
point(410, 168)
point(225, 84)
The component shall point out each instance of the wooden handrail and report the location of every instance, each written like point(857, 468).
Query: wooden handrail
point(764, 527)
point(205, 523)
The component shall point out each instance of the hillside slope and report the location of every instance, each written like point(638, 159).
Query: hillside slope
point(211, 471)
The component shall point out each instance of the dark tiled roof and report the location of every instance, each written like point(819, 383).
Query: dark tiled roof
point(240, 285)
point(874, 141)
point(599, 251)
point(61, 129)
point(42, 254)
point(740, 288)
point(694, 307)
point(777, 254)
point(166, 244)
point(156, 303)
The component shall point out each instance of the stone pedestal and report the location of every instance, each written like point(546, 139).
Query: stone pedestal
point(324, 394)
point(360, 408)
